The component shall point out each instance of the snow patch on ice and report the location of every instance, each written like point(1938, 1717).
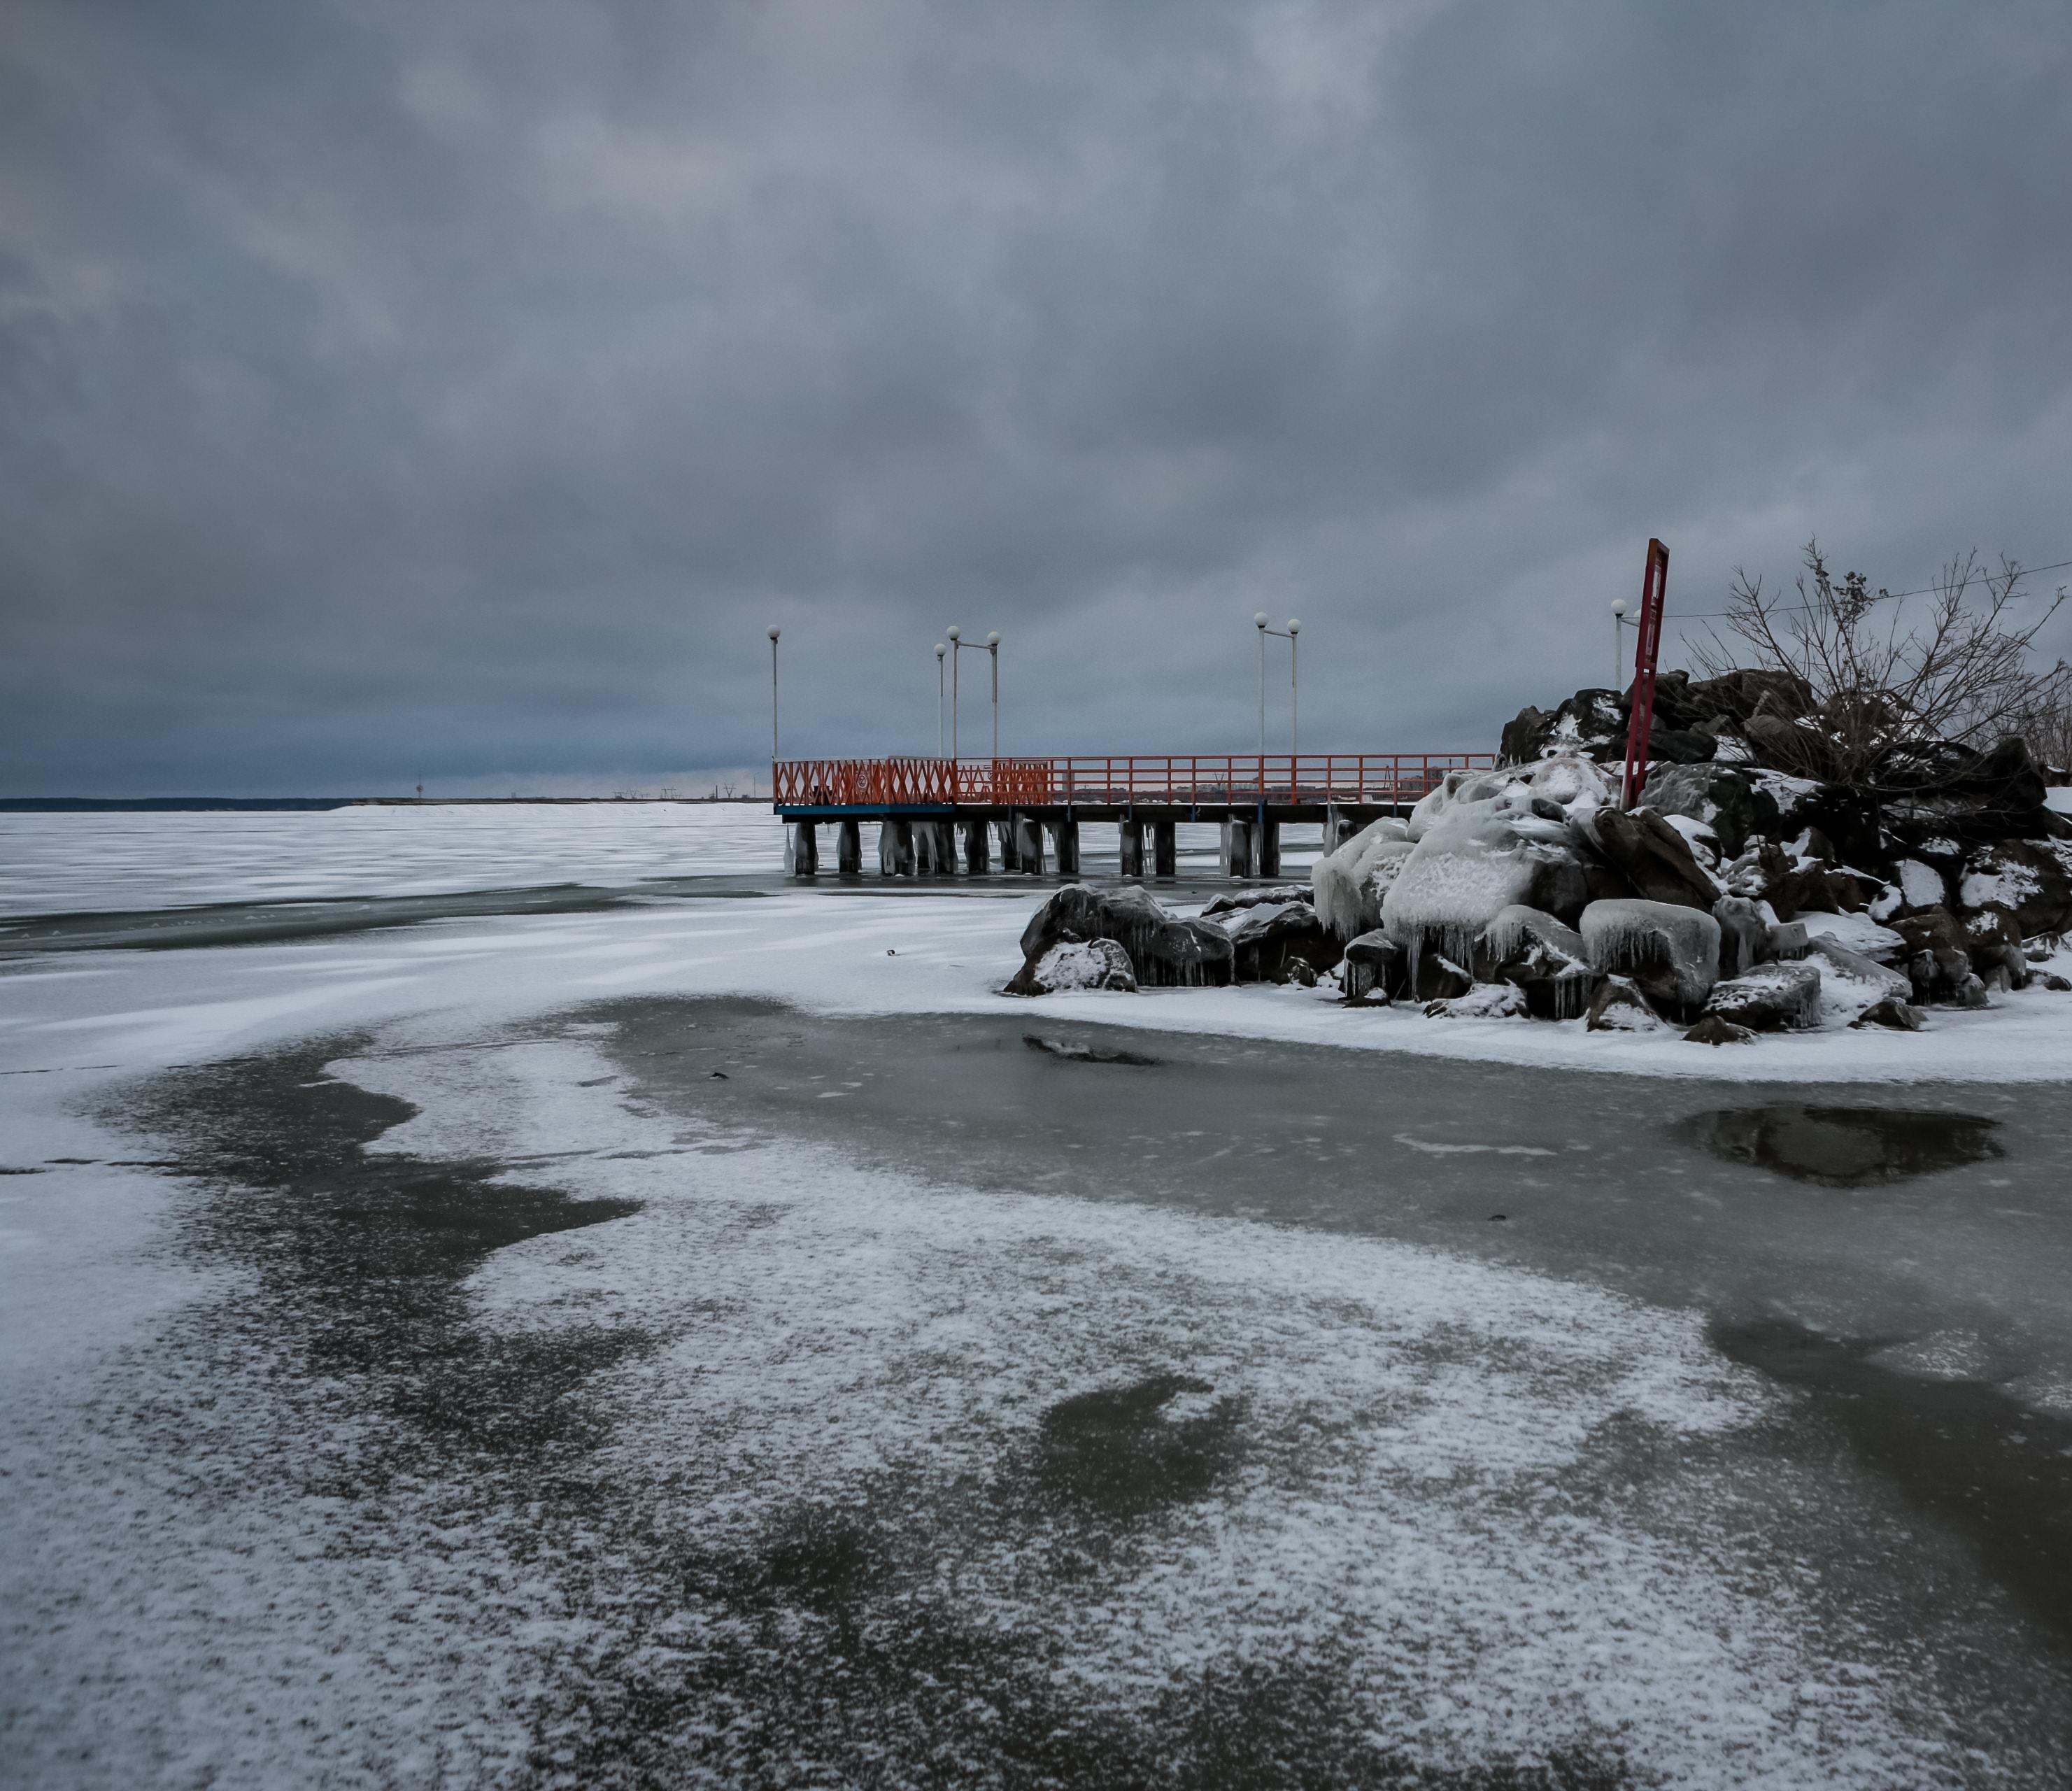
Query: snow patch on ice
point(1432, 1149)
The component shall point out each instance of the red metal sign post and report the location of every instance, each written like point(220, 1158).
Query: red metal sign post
point(1640, 721)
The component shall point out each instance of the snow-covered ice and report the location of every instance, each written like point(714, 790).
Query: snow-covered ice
point(858, 1432)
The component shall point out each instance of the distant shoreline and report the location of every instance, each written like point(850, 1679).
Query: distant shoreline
point(164, 805)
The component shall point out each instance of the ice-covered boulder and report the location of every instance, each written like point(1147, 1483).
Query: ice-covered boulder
point(1097, 963)
point(1164, 951)
point(1375, 967)
point(1745, 940)
point(1669, 952)
point(1347, 885)
point(1268, 937)
point(1575, 783)
point(1544, 959)
point(1433, 976)
point(1770, 998)
point(1653, 857)
point(1477, 854)
point(1232, 901)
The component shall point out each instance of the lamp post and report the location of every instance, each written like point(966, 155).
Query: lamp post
point(1258, 622)
point(940, 649)
point(993, 648)
point(956, 648)
point(773, 710)
point(1294, 693)
point(1294, 688)
point(1618, 642)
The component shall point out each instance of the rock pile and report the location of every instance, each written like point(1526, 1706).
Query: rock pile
point(1744, 894)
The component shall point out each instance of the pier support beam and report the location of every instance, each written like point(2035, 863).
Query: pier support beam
point(978, 839)
point(1132, 848)
point(1268, 848)
point(1029, 845)
point(895, 847)
point(1237, 852)
point(935, 848)
point(1010, 855)
point(801, 848)
point(1066, 835)
point(849, 849)
point(1338, 827)
point(1165, 848)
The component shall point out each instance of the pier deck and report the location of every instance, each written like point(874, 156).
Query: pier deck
point(924, 804)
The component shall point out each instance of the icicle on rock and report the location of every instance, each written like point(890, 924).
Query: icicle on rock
point(1479, 855)
point(1671, 953)
point(1545, 961)
point(1347, 885)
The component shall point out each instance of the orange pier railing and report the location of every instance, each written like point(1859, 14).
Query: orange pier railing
point(1201, 779)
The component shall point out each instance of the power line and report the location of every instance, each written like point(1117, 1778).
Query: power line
point(1882, 596)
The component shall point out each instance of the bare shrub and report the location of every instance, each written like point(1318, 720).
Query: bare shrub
point(1876, 698)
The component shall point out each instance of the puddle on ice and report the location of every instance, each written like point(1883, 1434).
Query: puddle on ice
point(1124, 1449)
point(1843, 1146)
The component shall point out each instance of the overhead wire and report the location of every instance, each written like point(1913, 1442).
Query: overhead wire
point(1881, 596)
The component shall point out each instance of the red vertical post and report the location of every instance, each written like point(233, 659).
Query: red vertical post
point(1647, 648)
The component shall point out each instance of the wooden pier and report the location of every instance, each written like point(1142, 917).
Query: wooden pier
point(942, 817)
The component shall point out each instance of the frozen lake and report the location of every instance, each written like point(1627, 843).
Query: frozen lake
point(706, 1334)
point(69, 863)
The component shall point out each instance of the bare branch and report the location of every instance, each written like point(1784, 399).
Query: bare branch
point(1878, 691)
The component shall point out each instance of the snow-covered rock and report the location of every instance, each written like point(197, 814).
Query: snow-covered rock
point(2032, 879)
point(1097, 963)
point(1671, 953)
point(1716, 1029)
point(1913, 886)
point(1850, 983)
point(1704, 844)
point(1859, 933)
point(1717, 797)
point(1164, 951)
point(1487, 1001)
point(1770, 998)
point(1619, 1006)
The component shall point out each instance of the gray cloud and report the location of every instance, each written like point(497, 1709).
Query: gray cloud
point(462, 389)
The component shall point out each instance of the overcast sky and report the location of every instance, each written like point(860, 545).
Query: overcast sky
point(460, 390)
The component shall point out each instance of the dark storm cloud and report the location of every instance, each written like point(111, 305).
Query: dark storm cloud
point(462, 389)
